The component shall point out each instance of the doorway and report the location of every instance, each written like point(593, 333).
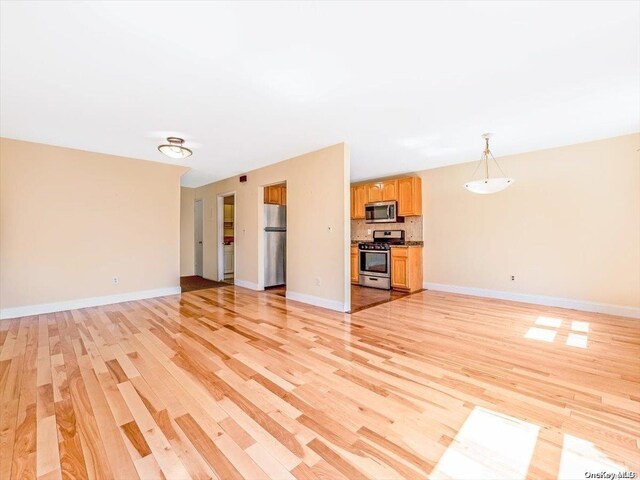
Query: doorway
point(197, 237)
point(226, 238)
point(275, 238)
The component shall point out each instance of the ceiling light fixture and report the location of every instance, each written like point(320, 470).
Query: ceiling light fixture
point(174, 148)
point(487, 184)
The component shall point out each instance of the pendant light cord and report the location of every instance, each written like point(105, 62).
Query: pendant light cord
point(485, 158)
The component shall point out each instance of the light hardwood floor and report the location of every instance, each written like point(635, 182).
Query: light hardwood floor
point(229, 383)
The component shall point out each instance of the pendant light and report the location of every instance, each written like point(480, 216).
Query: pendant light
point(487, 184)
point(174, 148)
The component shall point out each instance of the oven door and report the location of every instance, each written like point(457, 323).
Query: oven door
point(380, 212)
point(374, 263)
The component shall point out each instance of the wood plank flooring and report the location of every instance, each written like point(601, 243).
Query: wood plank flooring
point(227, 383)
point(367, 297)
point(195, 282)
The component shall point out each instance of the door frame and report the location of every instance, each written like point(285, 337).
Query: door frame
point(220, 234)
point(195, 240)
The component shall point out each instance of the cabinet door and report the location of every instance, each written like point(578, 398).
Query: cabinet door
point(355, 274)
point(274, 194)
point(359, 199)
point(399, 274)
point(409, 196)
point(353, 203)
point(374, 192)
point(389, 190)
point(283, 195)
point(228, 259)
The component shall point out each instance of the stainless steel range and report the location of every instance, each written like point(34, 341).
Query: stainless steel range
point(374, 258)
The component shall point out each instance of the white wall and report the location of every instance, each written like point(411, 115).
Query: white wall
point(71, 220)
point(318, 226)
point(569, 228)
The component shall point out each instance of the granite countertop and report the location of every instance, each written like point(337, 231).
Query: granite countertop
point(408, 243)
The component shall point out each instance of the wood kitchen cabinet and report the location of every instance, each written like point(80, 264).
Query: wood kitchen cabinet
point(386, 191)
point(358, 199)
point(409, 196)
point(407, 191)
point(355, 272)
point(275, 195)
point(406, 268)
point(389, 190)
point(374, 192)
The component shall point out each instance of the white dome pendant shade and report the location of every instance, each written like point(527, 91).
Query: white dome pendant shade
point(488, 185)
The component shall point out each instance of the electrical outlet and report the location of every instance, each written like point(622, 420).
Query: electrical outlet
point(115, 280)
point(368, 231)
point(513, 277)
point(318, 281)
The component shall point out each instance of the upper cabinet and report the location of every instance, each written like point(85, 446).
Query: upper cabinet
point(389, 190)
point(275, 195)
point(382, 191)
point(409, 196)
point(374, 192)
point(358, 199)
point(406, 191)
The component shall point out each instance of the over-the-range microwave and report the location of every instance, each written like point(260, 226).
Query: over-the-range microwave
point(382, 212)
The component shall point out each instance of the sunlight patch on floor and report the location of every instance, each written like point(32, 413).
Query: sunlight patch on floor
point(489, 445)
point(577, 340)
point(543, 334)
point(580, 456)
point(548, 335)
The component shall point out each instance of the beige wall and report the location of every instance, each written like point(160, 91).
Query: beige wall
point(317, 225)
point(71, 220)
point(187, 245)
point(569, 227)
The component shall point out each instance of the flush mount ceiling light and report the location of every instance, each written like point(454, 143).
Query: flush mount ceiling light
point(174, 148)
point(488, 185)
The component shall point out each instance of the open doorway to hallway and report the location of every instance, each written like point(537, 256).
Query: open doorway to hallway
point(197, 238)
point(226, 238)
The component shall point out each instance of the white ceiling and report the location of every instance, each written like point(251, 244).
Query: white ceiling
point(408, 85)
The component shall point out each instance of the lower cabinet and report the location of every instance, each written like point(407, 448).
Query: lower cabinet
point(355, 275)
point(406, 268)
point(228, 258)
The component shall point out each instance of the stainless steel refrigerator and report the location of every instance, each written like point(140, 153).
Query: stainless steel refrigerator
point(275, 245)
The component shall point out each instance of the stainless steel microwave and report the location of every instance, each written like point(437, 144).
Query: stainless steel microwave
point(382, 212)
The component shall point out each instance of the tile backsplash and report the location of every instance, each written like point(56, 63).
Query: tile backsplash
point(412, 227)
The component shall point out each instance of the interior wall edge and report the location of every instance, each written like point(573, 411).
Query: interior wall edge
point(318, 301)
point(246, 284)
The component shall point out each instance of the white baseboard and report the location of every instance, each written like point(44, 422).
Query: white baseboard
point(43, 308)
point(243, 283)
point(607, 308)
point(317, 301)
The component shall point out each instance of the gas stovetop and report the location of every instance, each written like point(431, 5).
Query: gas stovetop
point(377, 245)
point(383, 240)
